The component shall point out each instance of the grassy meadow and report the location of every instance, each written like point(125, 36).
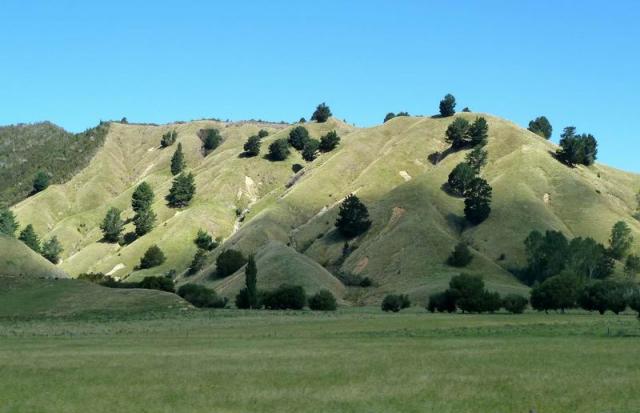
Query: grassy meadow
point(355, 360)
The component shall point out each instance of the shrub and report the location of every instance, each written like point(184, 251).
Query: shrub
point(514, 303)
point(168, 138)
point(262, 133)
point(441, 302)
point(322, 113)
point(310, 149)
point(296, 167)
point(329, 141)
point(152, 257)
point(201, 296)
point(447, 106)
point(205, 241)
point(388, 117)
point(353, 217)
point(460, 256)
point(252, 146)
point(279, 150)
point(285, 297)
point(40, 181)
point(228, 262)
point(541, 126)
point(182, 191)
point(354, 280)
point(323, 300)
point(298, 137)
point(157, 283)
point(198, 262)
point(395, 303)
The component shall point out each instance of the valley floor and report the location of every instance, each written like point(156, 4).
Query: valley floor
point(356, 360)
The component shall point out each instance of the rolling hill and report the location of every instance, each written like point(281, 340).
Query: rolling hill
point(287, 219)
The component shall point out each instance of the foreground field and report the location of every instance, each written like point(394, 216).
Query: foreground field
point(357, 360)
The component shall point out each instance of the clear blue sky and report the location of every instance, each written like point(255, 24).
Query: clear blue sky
point(76, 62)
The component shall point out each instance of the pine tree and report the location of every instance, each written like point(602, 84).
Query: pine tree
point(112, 225)
point(477, 134)
point(541, 126)
point(456, 133)
point(30, 238)
point(8, 222)
point(248, 296)
point(142, 197)
point(477, 159)
point(52, 249)
point(177, 161)
point(279, 150)
point(144, 221)
point(298, 137)
point(447, 106)
point(182, 191)
point(168, 139)
point(322, 113)
point(198, 262)
point(353, 217)
point(211, 139)
point(477, 202)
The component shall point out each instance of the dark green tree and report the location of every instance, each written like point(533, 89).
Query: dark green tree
point(546, 255)
point(157, 283)
point(620, 240)
point(248, 296)
point(456, 133)
point(211, 139)
point(448, 106)
point(29, 237)
point(541, 126)
point(478, 132)
point(285, 297)
point(460, 256)
point(112, 225)
point(310, 150)
point(182, 191)
point(152, 257)
point(262, 133)
point(198, 262)
point(577, 149)
point(144, 221)
point(8, 222)
point(168, 138)
point(322, 113)
point(603, 295)
point(279, 150)
point(477, 201)
point(477, 159)
point(252, 146)
point(632, 266)
point(142, 197)
point(177, 161)
point(353, 217)
point(201, 296)
point(298, 137)
point(40, 181)
point(441, 302)
point(329, 141)
point(460, 178)
point(395, 302)
point(559, 292)
point(588, 259)
point(514, 303)
point(228, 262)
point(52, 249)
point(389, 116)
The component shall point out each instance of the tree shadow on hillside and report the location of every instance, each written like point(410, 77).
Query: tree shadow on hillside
point(456, 222)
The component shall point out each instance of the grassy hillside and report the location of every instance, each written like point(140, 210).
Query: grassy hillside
point(27, 149)
point(415, 223)
point(18, 260)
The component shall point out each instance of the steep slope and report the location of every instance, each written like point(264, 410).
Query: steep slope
point(18, 260)
point(415, 223)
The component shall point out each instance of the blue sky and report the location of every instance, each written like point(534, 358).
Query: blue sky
point(77, 62)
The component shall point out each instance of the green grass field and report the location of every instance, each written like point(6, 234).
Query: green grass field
point(356, 360)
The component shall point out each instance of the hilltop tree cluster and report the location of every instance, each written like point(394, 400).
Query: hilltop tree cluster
point(577, 149)
point(300, 140)
point(392, 115)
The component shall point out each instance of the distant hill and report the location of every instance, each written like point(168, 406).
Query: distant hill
point(287, 219)
point(26, 149)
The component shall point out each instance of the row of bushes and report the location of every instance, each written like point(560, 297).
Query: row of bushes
point(288, 297)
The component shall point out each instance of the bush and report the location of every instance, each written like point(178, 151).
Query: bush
point(262, 133)
point(491, 302)
point(279, 150)
point(252, 146)
point(323, 300)
point(152, 257)
point(298, 137)
point(285, 297)
point(205, 241)
point(469, 293)
point(211, 139)
point(228, 262)
point(329, 141)
point(515, 303)
point(40, 181)
point(460, 256)
point(168, 138)
point(541, 127)
point(310, 149)
point(447, 106)
point(157, 283)
point(395, 303)
point(441, 302)
point(201, 296)
point(354, 280)
point(296, 167)
point(322, 113)
point(198, 262)
point(388, 117)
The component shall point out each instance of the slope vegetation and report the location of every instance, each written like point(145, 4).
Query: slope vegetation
point(287, 219)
